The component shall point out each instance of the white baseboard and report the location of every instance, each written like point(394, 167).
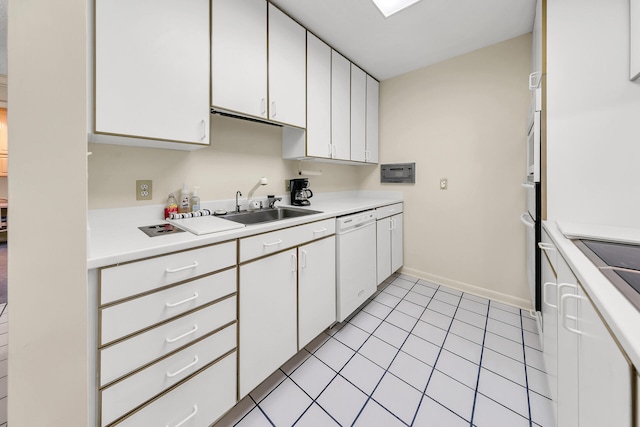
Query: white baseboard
point(466, 287)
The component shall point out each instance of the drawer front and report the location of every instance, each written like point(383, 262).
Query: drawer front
point(119, 359)
point(386, 211)
point(123, 319)
point(135, 390)
point(124, 281)
point(264, 244)
point(196, 403)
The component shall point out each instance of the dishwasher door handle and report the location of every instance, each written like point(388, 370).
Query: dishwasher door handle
point(356, 227)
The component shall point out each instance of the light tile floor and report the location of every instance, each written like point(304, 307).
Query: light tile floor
point(417, 354)
point(4, 339)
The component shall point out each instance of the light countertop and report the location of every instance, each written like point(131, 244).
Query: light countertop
point(113, 236)
point(621, 316)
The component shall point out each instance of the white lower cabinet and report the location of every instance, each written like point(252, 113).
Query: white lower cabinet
point(197, 403)
point(316, 289)
point(590, 378)
point(390, 256)
point(167, 344)
point(287, 296)
point(268, 333)
point(550, 316)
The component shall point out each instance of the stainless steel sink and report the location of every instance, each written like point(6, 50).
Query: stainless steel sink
point(267, 215)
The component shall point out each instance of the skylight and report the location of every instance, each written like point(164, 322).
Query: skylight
point(389, 7)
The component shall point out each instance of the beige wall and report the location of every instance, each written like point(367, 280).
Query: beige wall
point(48, 192)
point(241, 152)
point(463, 119)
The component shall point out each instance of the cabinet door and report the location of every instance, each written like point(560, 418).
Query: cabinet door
point(287, 69)
point(340, 106)
point(604, 374)
point(239, 56)
point(358, 113)
point(267, 317)
point(316, 288)
point(383, 235)
point(567, 347)
point(397, 255)
point(318, 98)
point(550, 317)
point(373, 99)
point(152, 69)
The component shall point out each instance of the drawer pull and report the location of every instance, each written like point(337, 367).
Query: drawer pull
point(193, 414)
point(186, 334)
point(179, 371)
point(186, 267)
point(322, 230)
point(175, 304)
point(277, 242)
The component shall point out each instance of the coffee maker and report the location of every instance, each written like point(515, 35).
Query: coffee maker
point(300, 192)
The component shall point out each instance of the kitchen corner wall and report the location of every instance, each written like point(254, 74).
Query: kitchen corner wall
point(240, 153)
point(465, 120)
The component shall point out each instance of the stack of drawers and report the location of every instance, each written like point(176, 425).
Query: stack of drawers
point(167, 350)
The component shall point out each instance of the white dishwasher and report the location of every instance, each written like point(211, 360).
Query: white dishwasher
point(356, 261)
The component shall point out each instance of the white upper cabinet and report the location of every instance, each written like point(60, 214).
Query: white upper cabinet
point(340, 106)
point(318, 98)
point(373, 98)
point(287, 69)
point(152, 71)
point(358, 113)
point(239, 56)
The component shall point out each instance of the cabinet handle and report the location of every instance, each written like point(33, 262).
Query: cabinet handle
point(563, 300)
point(175, 304)
point(303, 259)
point(546, 246)
point(366, 155)
point(193, 414)
point(277, 242)
point(294, 262)
point(204, 130)
point(263, 107)
point(181, 370)
point(333, 151)
point(186, 267)
point(186, 334)
point(534, 80)
point(273, 108)
point(544, 294)
point(330, 150)
point(322, 230)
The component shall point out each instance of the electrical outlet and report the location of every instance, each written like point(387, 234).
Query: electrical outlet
point(444, 183)
point(287, 185)
point(144, 189)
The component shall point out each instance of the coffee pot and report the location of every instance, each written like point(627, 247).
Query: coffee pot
point(300, 192)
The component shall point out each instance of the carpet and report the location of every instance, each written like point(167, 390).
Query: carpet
point(3, 273)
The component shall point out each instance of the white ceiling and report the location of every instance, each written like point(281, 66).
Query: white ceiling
point(427, 32)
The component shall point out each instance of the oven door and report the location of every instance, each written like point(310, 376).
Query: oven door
point(533, 147)
point(530, 225)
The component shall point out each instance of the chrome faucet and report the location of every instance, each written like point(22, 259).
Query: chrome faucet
point(271, 201)
point(238, 193)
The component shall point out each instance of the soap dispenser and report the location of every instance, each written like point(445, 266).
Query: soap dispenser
point(185, 203)
point(195, 200)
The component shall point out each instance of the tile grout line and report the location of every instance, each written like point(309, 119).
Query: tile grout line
point(370, 396)
point(435, 362)
point(526, 372)
point(484, 337)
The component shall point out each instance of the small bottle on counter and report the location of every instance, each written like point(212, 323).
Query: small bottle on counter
point(195, 200)
point(171, 207)
point(185, 200)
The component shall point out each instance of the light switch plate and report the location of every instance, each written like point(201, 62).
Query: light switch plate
point(144, 189)
point(444, 183)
